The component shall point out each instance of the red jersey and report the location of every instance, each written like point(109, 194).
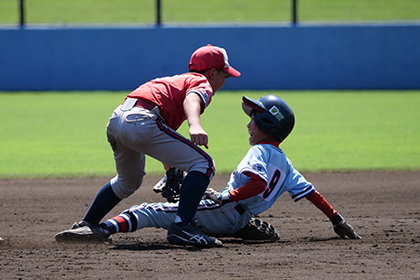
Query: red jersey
point(168, 94)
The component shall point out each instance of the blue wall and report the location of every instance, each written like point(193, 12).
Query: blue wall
point(269, 57)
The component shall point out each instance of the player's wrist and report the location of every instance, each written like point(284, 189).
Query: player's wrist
point(225, 196)
point(336, 219)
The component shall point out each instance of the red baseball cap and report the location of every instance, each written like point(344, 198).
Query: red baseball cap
point(209, 57)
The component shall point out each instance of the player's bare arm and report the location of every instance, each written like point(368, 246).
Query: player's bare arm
point(193, 105)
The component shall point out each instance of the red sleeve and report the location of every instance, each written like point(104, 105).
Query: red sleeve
point(322, 204)
point(255, 186)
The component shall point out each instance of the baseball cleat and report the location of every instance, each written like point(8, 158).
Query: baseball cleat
point(257, 229)
point(83, 234)
point(190, 235)
point(265, 228)
point(80, 224)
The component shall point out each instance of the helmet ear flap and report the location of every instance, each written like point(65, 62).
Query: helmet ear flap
point(265, 124)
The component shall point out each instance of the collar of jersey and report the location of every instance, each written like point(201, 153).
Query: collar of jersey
point(274, 143)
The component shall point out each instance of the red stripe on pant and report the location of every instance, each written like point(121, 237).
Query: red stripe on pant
point(122, 223)
point(166, 130)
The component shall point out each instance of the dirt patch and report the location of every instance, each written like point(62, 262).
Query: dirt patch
point(383, 207)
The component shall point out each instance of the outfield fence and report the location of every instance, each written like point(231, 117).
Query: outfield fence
point(117, 45)
point(158, 12)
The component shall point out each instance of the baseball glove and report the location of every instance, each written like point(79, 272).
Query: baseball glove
point(170, 184)
point(257, 229)
point(343, 229)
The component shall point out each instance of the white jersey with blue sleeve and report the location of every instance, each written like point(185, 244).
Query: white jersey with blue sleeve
point(271, 164)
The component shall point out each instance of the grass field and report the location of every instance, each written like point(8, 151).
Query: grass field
point(56, 134)
point(186, 11)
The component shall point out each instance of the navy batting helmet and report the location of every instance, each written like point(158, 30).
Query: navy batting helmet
point(276, 117)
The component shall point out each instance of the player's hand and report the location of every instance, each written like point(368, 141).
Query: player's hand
point(343, 229)
point(218, 197)
point(198, 136)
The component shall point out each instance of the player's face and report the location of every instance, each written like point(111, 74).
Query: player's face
point(256, 135)
point(218, 78)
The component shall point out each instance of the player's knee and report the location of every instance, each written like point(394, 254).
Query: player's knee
point(206, 167)
point(124, 188)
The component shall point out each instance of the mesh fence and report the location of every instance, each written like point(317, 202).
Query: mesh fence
point(139, 12)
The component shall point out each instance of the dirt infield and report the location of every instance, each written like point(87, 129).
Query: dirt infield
point(383, 208)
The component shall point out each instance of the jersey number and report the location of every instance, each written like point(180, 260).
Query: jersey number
point(273, 183)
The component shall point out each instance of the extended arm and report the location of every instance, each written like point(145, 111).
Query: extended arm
point(193, 107)
point(341, 227)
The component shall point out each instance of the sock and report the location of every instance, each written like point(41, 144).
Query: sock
point(104, 201)
point(192, 190)
point(125, 222)
point(178, 220)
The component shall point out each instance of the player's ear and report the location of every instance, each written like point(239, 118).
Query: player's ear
point(213, 72)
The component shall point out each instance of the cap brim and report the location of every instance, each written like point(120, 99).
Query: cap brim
point(249, 104)
point(232, 71)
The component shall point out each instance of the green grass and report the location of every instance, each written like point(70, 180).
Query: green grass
point(358, 10)
point(187, 11)
point(53, 134)
point(355, 130)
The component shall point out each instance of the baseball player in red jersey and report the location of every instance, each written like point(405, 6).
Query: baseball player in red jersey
point(146, 124)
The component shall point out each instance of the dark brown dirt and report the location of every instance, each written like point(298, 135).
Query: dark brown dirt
point(383, 207)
